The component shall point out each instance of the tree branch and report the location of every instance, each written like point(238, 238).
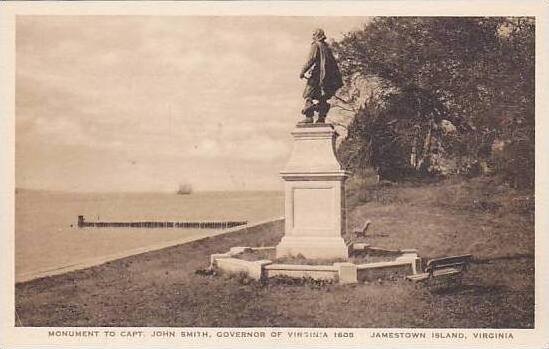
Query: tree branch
point(343, 108)
point(336, 123)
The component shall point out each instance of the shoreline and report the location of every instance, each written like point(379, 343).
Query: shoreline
point(91, 262)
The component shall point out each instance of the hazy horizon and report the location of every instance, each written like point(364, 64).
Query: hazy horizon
point(174, 192)
point(143, 104)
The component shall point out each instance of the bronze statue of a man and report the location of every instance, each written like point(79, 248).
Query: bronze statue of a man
point(323, 78)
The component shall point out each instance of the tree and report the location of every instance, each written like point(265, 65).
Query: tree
point(474, 75)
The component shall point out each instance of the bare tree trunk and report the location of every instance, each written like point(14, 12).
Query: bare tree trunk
point(413, 153)
point(425, 159)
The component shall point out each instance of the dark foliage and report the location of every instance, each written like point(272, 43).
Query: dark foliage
point(453, 95)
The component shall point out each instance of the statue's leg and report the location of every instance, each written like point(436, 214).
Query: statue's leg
point(308, 110)
point(323, 108)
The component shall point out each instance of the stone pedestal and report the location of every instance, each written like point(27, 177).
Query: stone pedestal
point(314, 196)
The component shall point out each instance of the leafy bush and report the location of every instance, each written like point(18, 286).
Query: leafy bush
point(441, 92)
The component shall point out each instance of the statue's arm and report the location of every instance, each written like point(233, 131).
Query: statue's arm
point(310, 60)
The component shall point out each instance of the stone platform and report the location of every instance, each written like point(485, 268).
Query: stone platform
point(406, 263)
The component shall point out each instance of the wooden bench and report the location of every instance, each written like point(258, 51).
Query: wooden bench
point(443, 268)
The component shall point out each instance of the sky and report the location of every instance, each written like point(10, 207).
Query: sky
point(144, 103)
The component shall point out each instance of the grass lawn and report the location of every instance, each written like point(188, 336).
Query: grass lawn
point(160, 288)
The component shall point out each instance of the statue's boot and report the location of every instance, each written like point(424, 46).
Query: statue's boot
point(323, 108)
point(308, 108)
point(307, 120)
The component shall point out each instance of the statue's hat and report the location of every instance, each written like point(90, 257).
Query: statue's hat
point(318, 34)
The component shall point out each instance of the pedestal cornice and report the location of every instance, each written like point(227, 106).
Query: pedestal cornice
point(313, 150)
point(315, 175)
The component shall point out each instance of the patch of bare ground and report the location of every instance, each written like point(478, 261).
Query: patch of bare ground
point(161, 288)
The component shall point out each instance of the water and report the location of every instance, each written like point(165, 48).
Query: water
point(47, 237)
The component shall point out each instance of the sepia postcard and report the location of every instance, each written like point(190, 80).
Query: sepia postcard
point(274, 174)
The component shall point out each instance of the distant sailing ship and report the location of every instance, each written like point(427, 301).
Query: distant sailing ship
point(185, 189)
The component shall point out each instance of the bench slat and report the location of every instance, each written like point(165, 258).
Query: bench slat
point(418, 277)
point(446, 272)
point(442, 268)
point(433, 268)
point(439, 273)
point(450, 260)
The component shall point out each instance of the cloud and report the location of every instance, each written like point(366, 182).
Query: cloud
point(157, 91)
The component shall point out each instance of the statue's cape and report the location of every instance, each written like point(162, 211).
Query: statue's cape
point(330, 76)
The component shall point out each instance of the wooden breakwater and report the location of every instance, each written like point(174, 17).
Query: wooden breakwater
point(82, 223)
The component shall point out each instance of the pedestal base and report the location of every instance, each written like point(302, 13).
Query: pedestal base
point(314, 190)
point(313, 247)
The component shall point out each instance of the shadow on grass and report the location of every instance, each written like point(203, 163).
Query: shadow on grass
point(503, 258)
point(463, 289)
point(488, 260)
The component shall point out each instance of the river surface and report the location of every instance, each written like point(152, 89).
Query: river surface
point(48, 241)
